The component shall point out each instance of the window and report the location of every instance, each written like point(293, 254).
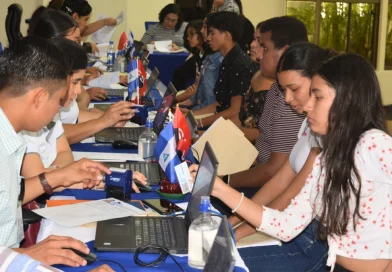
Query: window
point(344, 26)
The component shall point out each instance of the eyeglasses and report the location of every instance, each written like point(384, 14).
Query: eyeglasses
point(190, 35)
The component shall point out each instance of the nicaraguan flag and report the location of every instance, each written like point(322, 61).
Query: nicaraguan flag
point(133, 77)
point(166, 152)
point(131, 44)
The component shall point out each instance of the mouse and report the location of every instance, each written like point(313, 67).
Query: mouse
point(124, 144)
point(90, 258)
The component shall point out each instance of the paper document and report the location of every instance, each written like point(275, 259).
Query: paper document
point(103, 50)
point(106, 80)
point(87, 212)
point(100, 65)
point(258, 239)
point(106, 157)
point(104, 35)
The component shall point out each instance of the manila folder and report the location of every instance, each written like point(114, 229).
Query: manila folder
point(233, 151)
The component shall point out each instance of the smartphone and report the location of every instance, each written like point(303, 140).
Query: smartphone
point(162, 206)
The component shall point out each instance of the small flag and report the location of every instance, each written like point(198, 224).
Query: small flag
point(142, 78)
point(166, 152)
point(133, 78)
point(131, 44)
point(123, 42)
point(183, 133)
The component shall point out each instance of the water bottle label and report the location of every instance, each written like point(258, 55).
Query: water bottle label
point(111, 57)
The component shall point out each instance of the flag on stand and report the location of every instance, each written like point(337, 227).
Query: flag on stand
point(142, 78)
point(166, 152)
point(123, 42)
point(133, 80)
point(131, 44)
point(182, 132)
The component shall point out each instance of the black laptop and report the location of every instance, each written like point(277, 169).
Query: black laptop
point(109, 135)
point(150, 83)
point(152, 170)
point(221, 256)
point(128, 233)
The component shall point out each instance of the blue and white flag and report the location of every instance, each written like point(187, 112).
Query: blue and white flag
point(133, 78)
point(166, 152)
point(131, 44)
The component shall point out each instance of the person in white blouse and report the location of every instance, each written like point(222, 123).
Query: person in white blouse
point(350, 187)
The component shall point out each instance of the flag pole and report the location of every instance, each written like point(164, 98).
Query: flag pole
point(138, 82)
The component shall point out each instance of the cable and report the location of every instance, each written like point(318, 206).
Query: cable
point(197, 154)
point(109, 261)
point(163, 254)
point(175, 214)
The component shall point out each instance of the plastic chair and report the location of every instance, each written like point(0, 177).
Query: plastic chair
point(12, 23)
point(148, 25)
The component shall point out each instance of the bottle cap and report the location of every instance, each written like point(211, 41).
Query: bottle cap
point(149, 123)
point(111, 42)
point(205, 205)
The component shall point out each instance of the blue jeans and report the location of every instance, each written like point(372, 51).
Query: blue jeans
point(304, 253)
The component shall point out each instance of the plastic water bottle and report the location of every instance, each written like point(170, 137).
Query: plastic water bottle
point(201, 235)
point(111, 56)
point(147, 142)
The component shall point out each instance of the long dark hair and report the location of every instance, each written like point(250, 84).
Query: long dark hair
point(80, 7)
point(197, 25)
point(357, 108)
point(306, 58)
point(48, 23)
point(175, 9)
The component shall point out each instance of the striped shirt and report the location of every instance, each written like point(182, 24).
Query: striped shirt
point(278, 126)
point(12, 149)
point(159, 33)
point(230, 5)
point(12, 261)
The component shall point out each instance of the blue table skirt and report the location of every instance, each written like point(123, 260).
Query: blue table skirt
point(126, 259)
point(166, 64)
point(101, 148)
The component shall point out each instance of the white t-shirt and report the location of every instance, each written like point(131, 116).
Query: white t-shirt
point(44, 142)
point(70, 114)
point(306, 140)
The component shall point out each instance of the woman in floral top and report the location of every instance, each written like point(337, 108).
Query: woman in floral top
point(350, 188)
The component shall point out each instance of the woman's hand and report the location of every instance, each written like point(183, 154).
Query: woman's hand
point(174, 47)
point(110, 22)
point(218, 183)
point(139, 177)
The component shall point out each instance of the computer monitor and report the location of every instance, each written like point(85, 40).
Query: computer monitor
point(221, 256)
point(203, 184)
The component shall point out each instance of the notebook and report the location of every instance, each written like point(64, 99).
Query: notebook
point(126, 234)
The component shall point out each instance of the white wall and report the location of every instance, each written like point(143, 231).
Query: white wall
point(260, 10)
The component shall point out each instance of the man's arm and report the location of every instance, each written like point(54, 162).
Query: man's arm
point(231, 112)
point(64, 153)
point(260, 174)
point(83, 100)
point(207, 109)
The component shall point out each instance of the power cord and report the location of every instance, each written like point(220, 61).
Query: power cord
point(163, 254)
point(214, 213)
point(110, 261)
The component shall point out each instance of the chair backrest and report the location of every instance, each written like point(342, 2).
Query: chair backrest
point(148, 25)
point(1, 47)
point(12, 22)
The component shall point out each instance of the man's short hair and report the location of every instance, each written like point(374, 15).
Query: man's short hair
point(226, 21)
point(285, 30)
point(32, 62)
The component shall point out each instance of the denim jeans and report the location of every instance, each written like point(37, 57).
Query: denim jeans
point(303, 253)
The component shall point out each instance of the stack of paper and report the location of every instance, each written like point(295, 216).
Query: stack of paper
point(106, 80)
point(233, 151)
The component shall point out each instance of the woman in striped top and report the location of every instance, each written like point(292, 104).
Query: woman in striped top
point(170, 27)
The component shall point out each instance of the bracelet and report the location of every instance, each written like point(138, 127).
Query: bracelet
point(47, 188)
point(239, 204)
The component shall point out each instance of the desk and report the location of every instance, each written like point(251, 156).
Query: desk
point(166, 64)
point(126, 259)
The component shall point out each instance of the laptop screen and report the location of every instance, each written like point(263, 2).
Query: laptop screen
point(167, 102)
point(203, 183)
point(221, 256)
point(151, 80)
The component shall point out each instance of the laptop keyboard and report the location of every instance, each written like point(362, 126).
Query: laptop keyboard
point(131, 134)
point(156, 231)
point(116, 92)
point(150, 170)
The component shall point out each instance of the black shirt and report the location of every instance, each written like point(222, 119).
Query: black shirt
point(234, 77)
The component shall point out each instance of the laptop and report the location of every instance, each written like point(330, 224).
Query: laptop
point(150, 83)
point(128, 233)
point(152, 170)
point(109, 135)
point(222, 255)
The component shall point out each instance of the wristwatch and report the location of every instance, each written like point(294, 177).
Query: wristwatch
point(47, 188)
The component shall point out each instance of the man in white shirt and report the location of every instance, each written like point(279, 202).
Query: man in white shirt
point(33, 83)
